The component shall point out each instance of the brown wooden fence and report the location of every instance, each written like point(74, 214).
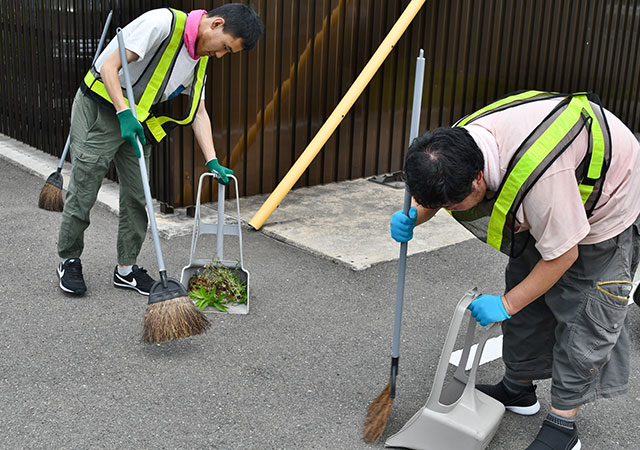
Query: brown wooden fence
point(267, 104)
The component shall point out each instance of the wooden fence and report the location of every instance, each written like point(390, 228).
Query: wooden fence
point(267, 104)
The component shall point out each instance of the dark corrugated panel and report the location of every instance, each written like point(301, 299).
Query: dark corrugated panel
point(268, 104)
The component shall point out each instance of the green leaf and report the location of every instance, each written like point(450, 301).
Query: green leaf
point(201, 304)
point(198, 294)
point(221, 307)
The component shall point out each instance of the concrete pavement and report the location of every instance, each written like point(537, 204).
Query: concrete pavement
point(297, 372)
point(304, 219)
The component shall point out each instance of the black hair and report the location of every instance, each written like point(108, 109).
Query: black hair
point(240, 21)
point(441, 165)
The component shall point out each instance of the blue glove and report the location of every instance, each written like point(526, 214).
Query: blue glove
point(402, 225)
point(487, 309)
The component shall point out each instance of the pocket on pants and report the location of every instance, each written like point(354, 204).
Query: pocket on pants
point(86, 168)
point(596, 331)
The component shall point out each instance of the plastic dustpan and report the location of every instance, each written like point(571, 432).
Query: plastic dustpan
point(220, 229)
point(456, 416)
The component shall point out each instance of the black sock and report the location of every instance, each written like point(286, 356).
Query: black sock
point(515, 386)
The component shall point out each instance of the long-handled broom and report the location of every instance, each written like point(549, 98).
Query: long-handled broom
point(51, 193)
point(380, 409)
point(170, 312)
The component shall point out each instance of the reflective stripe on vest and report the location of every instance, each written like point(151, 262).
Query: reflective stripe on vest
point(160, 126)
point(150, 87)
point(536, 154)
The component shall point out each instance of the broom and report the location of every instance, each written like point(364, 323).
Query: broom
point(380, 409)
point(51, 193)
point(170, 312)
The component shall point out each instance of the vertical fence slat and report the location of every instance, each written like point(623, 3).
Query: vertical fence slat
point(4, 111)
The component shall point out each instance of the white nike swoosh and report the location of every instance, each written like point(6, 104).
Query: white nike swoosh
point(132, 283)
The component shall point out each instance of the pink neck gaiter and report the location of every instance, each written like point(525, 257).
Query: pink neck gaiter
point(191, 31)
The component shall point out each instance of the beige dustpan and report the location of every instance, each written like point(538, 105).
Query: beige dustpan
point(456, 416)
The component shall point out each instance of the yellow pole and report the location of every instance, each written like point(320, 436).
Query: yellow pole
point(338, 114)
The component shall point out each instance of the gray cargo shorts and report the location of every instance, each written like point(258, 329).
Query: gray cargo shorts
point(576, 333)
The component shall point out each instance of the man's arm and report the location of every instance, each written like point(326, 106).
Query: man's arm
point(201, 126)
point(424, 214)
point(543, 276)
point(487, 309)
point(109, 74)
point(202, 130)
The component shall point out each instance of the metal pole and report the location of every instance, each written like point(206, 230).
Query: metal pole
point(402, 262)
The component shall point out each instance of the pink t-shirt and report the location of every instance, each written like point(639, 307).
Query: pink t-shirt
point(553, 211)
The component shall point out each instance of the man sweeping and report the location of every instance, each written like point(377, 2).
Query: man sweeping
point(167, 51)
point(553, 181)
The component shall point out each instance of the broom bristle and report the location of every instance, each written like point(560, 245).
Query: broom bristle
point(176, 318)
point(51, 198)
point(377, 416)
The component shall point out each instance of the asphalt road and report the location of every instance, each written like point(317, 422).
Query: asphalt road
point(296, 373)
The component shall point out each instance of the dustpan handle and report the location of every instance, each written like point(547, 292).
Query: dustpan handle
point(471, 379)
point(196, 221)
point(460, 372)
point(220, 233)
point(438, 383)
point(220, 230)
point(221, 221)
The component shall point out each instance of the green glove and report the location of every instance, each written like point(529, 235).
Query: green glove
point(219, 172)
point(130, 128)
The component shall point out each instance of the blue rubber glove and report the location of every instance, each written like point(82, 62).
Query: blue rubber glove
point(402, 225)
point(219, 172)
point(130, 127)
point(487, 309)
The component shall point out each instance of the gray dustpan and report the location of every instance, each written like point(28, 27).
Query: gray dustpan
point(220, 229)
point(456, 416)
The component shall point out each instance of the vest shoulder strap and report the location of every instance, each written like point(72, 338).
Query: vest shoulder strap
point(160, 126)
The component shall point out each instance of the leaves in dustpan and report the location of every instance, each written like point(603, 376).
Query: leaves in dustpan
point(204, 298)
point(216, 285)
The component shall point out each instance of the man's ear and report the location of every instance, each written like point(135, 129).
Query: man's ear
point(480, 176)
point(216, 22)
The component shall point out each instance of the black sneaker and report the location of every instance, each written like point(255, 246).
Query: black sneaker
point(556, 437)
point(524, 403)
point(70, 276)
point(137, 279)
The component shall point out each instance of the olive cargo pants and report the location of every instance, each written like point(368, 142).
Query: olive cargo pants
point(95, 142)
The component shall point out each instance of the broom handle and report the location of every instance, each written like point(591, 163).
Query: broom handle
point(64, 152)
point(141, 163)
point(402, 262)
point(95, 57)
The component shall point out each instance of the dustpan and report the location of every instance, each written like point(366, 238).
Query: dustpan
point(220, 229)
point(456, 416)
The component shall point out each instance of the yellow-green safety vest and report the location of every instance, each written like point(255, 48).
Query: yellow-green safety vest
point(494, 219)
point(150, 87)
